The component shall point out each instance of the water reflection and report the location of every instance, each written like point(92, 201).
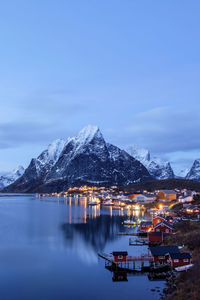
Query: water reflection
point(47, 244)
point(96, 232)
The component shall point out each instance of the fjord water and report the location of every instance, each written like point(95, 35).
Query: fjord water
point(49, 246)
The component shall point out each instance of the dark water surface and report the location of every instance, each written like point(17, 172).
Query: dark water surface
point(49, 246)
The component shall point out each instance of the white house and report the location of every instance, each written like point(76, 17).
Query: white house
point(145, 198)
point(185, 199)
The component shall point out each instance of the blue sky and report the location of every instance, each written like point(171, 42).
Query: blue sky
point(130, 67)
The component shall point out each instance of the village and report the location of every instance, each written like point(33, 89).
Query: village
point(167, 253)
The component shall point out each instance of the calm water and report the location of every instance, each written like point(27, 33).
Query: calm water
point(49, 246)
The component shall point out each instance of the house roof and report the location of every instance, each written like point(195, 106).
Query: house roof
point(149, 195)
point(165, 223)
point(159, 216)
point(168, 191)
point(180, 255)
point(163, 250)
point(117, 253)
point(146, 223)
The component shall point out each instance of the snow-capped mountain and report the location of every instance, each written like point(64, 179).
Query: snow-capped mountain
point(85, 158)
point(158, 168)
point(194, 173)
point(11, 177)
point(40, 166)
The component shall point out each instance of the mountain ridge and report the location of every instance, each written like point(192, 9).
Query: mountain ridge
point(81, 159)
point(157, 167)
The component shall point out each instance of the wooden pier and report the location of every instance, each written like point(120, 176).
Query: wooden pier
point(138, 242)
point(143, 257)
point(141, 234)
point(132, 263)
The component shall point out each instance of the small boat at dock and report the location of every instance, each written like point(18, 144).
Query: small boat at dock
point(94, 201)
point(108, 203)
point(130, 222)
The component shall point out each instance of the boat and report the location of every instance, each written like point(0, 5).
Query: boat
point(108, 203)
point(117, 207)
point(130, 223)
point(94, 201)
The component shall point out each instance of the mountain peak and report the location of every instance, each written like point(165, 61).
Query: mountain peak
point(87, 134)
point(194, 173)
point(157, 167)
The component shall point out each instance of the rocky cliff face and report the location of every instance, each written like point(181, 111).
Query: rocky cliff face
point(83, 159)
point(158, 168)
point(194, 173)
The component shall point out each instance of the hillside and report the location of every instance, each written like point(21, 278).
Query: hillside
point(167, 184)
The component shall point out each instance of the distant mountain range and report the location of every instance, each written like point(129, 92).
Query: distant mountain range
point(8, 178)
point(159, 169)
point(88, 159)
point(83, 159)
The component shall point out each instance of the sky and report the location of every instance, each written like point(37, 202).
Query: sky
point(131, 67)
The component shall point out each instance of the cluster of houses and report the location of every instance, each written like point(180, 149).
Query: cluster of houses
point(156, 231)
point(183, 196)
point(170, 255)
point(159, 224)
point(161, 195)
point(160, 255)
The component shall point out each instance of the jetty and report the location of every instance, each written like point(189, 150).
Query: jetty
point(142, 257)
point(138, 242)
point(131, 264)
point(141, 234)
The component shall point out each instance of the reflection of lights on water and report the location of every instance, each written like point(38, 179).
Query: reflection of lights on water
point(137, 213)
point(95, 211)
point(137, 207)
point(85, 215)
point(121, 212)
point(111, 211)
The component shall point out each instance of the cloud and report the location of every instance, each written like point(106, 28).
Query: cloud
point(164, 130)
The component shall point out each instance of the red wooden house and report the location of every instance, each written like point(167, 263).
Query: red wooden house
point(155, 237)
point(146, 226)
point(178, 259)
point(159, 253)
point(164, 227)
point(120, 256)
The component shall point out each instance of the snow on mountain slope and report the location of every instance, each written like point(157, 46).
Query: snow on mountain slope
point(141, 154)
point(158, 168)
point(84, 158)
point(182, 173)
point(52, 153)
point(9, 178)
point(40, 166)
point(194, 173)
